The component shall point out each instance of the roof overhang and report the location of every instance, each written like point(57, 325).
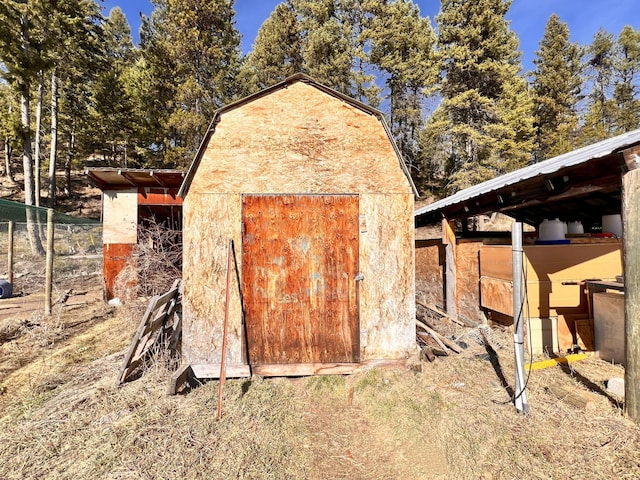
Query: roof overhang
point(126, 178)
point(581, 185)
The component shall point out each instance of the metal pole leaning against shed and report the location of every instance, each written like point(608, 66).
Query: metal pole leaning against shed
point(49, 267)
point(223, 372)
point(520, 398)
point(631, 230)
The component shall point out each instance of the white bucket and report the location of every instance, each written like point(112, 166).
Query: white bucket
point(551, 230)
point(576, 227)
point(612, 224)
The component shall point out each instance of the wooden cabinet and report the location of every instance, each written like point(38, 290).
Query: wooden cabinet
point(554, 277)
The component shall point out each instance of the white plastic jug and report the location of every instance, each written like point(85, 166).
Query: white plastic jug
point(576, 227)
point(551, 230)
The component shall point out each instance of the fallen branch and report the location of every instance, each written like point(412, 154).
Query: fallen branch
point(573, 396)
point(426, 350)
point(424, 336)
point(439, 338)
point(440, 313)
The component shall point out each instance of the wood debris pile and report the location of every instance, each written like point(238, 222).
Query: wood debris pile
point(430, 337)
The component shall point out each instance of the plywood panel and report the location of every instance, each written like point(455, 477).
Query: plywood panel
point(300, 262)
point(115, 256)
point(555, 262)
point(209, 222)
point(468, 280)
point(573, 262)
point(120, 216)
point(496, 262)
point(608, 324)
point(429, 277)
point(299, 140)
point(387, 293)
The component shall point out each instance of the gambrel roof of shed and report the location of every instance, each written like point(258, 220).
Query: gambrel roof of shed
point(299, 77)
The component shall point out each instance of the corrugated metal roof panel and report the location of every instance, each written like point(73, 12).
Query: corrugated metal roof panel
point(546, 167)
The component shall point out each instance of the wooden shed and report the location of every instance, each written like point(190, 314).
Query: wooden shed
point(314, 194)
point(129, 198)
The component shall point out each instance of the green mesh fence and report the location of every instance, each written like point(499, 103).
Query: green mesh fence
point(77, 263)
point(18, 212)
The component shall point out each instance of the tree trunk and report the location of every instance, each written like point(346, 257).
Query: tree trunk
point(8, 151)
point(67, 165)
point(36, 173)
point(54, 140)
point(27, 163)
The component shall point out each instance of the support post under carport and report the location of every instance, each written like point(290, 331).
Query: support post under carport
point(631, 230)
point(450, 273)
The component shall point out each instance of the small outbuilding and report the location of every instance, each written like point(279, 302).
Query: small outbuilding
point(311, 189)
point(131, 197)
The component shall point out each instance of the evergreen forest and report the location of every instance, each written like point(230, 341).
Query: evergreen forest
point(75, 88)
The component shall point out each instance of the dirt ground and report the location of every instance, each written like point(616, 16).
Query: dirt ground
point(62, 414)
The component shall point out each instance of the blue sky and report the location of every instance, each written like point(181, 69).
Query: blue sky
point(528, 18)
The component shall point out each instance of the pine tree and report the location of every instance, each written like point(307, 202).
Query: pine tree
point(474, 134)
point(327, 38)
point(402, 47)
point(277, 51)
point(557, 84)
point(9, 125)
point(627, 73)
point(192, 50)
point(112, 108)
point(76, 29)
point(599, 121)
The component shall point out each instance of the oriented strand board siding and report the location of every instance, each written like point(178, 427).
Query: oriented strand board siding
point(387, 293)
point(299, 140)
point(120, 216)
point(468, 279)
point(209, 222)
point(429, 273)
point(300, 261)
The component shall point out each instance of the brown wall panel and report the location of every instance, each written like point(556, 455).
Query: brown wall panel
point(115, 256)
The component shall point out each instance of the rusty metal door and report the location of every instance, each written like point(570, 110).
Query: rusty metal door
point(299, 267)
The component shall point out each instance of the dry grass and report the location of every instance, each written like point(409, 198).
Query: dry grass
point(62, 416)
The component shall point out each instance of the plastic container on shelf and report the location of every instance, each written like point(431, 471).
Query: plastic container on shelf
point(575, 227)
point(551, 230)
point(612, 224)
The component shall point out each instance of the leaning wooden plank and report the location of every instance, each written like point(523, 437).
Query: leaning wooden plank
point(552, 362)
point(428, 327)
point(424, 336)
point(144, 337)
point(441, 338)
point(212, 370)
point(440, 313)
point(132, 348)
point(167, 297)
